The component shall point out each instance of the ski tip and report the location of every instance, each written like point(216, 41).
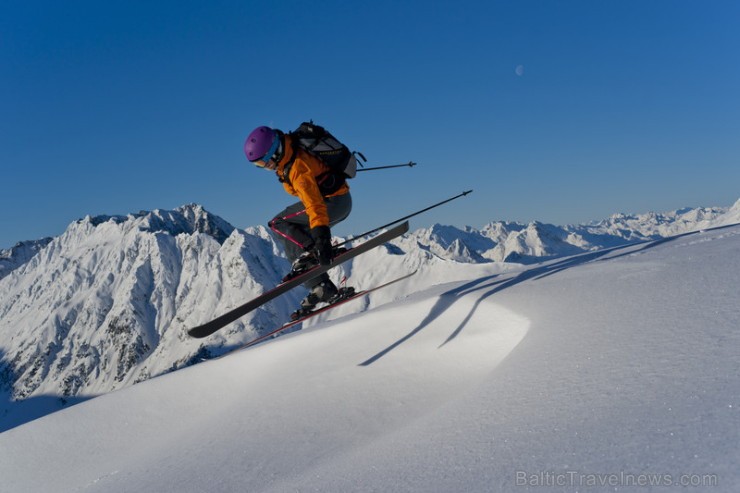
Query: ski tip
point(195, 333)
point(201, 331)
point(467, 192)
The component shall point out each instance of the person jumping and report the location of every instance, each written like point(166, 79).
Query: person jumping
point(304, 228)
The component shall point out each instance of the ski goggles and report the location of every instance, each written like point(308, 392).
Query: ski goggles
point(264, 161)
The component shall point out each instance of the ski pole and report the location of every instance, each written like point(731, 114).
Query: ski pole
point(410, 164)
point(404, 218)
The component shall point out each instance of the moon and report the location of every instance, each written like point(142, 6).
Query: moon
point(519, 70)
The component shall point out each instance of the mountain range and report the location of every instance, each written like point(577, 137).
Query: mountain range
point(105, 305)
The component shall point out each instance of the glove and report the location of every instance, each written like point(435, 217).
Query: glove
point(322, 244)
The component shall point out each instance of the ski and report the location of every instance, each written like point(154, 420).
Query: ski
point(354, 296)
point(238, 312)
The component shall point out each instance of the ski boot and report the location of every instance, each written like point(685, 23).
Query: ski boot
point(305, 261)
point(325, 292)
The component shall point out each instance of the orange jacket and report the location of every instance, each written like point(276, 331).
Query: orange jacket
point(301, 182)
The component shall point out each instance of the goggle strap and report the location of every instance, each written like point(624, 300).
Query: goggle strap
point(271, 152)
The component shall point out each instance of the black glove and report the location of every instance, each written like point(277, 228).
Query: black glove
point(322, 244)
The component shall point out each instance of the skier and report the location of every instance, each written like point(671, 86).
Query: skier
point(303, 227)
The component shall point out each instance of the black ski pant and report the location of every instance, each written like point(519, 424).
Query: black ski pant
point(291, 227)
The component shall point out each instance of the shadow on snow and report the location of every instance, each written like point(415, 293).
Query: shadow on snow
point(17, 412)
point(449, 298)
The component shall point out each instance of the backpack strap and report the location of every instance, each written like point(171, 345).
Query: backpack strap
point(284, 177)
point(286, 169)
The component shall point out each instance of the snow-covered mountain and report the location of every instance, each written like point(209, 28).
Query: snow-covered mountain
point(614, 370)
point(534, 242)
point(106, 304)
point(19, 254)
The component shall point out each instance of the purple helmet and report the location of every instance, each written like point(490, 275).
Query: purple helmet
point(261, 143)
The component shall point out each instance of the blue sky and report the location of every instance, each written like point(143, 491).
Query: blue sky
point(560, 111)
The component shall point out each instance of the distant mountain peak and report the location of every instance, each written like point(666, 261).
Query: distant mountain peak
point(188, 219)
point(19, 254)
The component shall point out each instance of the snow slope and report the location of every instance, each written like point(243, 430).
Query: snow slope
point(612, 367)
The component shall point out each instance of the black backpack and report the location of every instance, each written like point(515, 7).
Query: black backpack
point(318, 141)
